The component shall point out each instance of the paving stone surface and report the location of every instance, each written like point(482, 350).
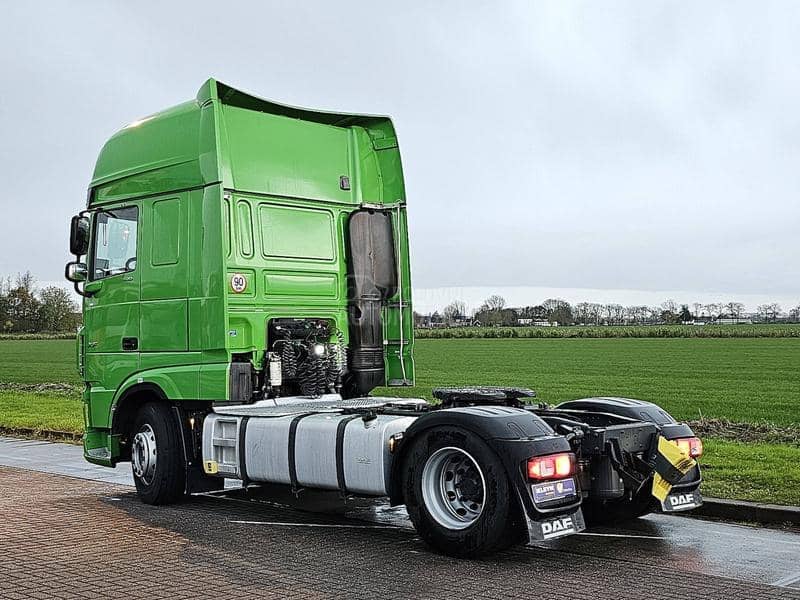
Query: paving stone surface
point(64, 537)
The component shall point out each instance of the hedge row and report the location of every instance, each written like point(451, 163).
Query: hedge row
point(617, 331)
point(68, 335)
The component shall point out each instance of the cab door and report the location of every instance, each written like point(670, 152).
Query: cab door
point(111, 314)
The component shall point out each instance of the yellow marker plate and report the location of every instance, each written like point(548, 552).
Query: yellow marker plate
point(678, 459)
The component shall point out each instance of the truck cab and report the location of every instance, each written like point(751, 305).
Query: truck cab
point(222, 230)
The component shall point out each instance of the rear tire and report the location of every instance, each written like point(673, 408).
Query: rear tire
point(157, 460)
point(599, 512)
point(458, 495)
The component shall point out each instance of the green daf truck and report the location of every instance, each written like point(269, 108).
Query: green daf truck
point(244, 267)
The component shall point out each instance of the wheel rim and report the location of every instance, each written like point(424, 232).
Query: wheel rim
point(453, 488)
point(143, 454)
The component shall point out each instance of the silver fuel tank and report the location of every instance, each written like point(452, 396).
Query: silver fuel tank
point(301, 449)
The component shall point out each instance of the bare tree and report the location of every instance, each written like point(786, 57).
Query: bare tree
point(457, 309)
point(495, 302)
point(633, 314)
point(581, 312)
point(769, 312)
point(558, 311)
point(794, 314)
point(735, 309)
point(641, 313)
point(775, 311)
point(697, 306)
point(613, 313)
point(669, 311)
point(26, 281)
point(714, 309)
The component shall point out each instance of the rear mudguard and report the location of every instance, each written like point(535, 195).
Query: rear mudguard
point(515, 435)
point(639, 410)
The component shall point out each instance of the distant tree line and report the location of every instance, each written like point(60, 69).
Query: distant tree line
point(26, 309)
point(555, 311)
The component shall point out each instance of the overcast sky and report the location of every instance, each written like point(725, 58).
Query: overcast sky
point(624, 146)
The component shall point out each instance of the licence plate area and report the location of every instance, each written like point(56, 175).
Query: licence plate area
point(556, 527)
point(678, 501)
point(553, 490)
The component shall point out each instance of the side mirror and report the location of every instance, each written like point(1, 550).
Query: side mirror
point(76, 272)
point(79, 236)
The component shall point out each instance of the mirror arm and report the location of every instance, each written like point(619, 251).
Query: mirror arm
point(78, 290)
point(81, 292)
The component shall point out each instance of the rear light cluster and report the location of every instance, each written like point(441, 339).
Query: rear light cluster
point(692, 446)
point(552, 466)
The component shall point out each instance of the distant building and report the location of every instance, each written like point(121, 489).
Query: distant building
point(463, 321)
point(701, 320)
point(734, 321)
point(536, 323)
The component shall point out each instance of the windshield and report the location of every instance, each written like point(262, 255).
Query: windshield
point(114, 242)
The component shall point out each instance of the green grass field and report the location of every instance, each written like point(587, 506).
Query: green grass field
point(38, 361)
point(745, 380)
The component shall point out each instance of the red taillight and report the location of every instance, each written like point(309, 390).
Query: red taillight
point(692, 446)
point(552, 466)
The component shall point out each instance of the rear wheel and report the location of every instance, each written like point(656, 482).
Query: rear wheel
point(157, 459)
point(458, 495)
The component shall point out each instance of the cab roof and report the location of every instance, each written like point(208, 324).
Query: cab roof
point(187, 146)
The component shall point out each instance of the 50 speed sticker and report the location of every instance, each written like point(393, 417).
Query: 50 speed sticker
point(238, 283)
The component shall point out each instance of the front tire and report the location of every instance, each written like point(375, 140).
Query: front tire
point(157, 459)
point(458, 495)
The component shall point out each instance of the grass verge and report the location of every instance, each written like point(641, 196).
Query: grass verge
point(757, 472)
point(35, 411)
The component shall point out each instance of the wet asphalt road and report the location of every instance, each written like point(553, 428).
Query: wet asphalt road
point(701, 558)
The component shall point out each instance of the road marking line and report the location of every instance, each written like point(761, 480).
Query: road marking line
point(327, 525)
point(625, 535)
point(750, 528)
point(788, 580)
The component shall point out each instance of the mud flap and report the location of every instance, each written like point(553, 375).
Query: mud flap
point(678, 501)
point(556, 527)
point(670, 464)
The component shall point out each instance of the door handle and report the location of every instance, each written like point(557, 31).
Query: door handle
point(130, 343)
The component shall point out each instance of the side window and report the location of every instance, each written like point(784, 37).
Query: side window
point(115, 234)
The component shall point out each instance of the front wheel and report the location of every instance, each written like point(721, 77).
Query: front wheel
point(157, 457)
point(458, 495)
